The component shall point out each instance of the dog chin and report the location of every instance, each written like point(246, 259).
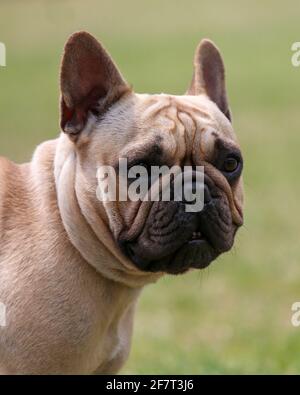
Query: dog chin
point(200, 240)
point(196, 253)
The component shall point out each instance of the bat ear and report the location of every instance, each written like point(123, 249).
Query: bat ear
point(89, 82)
point(209, 75)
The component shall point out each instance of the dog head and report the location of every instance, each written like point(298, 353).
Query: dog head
point(106, 121)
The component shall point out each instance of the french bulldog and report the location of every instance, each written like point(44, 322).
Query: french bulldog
point(72, 267)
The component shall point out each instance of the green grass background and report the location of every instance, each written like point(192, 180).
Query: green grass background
point(235, 316)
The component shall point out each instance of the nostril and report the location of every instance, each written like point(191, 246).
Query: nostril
point(207, 195)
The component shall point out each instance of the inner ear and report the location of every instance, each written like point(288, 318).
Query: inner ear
point(209, 76)
point(89, 82)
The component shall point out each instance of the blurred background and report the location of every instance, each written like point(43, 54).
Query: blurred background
point(234, 317)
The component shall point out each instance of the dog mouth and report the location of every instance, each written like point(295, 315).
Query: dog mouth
point(195, 252)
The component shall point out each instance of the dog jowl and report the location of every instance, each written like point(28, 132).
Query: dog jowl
point(72, 265)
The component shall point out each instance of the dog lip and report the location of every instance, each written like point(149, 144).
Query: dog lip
point(194, 254)
point(197, 242)
point(200, 253)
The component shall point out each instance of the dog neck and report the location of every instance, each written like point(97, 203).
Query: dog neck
point(88, 233)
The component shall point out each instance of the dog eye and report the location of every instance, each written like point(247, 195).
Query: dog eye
point(231, 164)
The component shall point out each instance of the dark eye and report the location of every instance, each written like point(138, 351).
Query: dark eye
point(231, 164)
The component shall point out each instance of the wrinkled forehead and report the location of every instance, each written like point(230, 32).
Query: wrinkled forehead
point(188, 125)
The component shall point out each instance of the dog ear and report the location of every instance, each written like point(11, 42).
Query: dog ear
point(209, 75)
point(89, 82)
